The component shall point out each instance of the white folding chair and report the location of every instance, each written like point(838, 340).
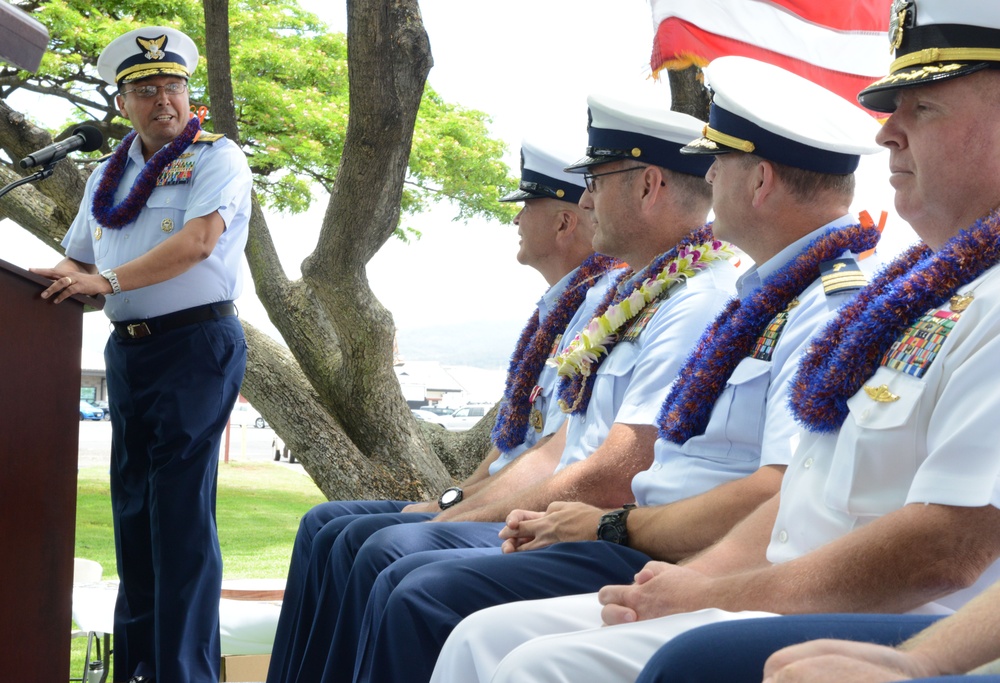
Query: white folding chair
point(94, 613)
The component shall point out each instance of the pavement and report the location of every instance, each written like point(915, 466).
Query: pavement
point(246, 444)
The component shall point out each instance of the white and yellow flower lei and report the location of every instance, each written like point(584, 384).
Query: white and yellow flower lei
point(586, 348)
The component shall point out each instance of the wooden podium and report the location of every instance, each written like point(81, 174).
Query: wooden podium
point(39, 442)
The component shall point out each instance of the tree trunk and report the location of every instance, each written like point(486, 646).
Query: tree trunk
point(338, 334)
point(688, 93)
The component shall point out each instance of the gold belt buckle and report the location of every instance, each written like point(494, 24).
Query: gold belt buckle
point(138, 330)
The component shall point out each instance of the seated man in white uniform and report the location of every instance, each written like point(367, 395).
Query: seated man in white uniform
point(890, 501)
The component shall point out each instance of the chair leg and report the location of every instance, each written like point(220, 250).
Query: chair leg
point(86, 657)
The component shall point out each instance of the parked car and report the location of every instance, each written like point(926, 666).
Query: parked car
point(436, 409)
point(103, 405)
point(464, 418)
point(427, 416)
point(246, 414)
point(89, 412)
point(281, 450)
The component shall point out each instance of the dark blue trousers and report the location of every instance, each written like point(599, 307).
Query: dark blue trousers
point(418, 601)
point(365, 547)
point(305, 573)
point(171, 395)
point(735, 651)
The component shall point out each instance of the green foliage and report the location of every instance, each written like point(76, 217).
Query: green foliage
point(290, 84)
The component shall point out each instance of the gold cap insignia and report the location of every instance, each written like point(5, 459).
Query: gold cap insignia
point(636, 152)
point(881, 394)
point(560, 193)
point(153, 47)
point(898, 20)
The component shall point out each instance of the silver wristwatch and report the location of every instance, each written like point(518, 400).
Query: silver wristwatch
point(110, 276)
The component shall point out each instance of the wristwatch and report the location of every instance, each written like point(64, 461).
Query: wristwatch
point(612, 526)
point(450, 496)
point(111, 277)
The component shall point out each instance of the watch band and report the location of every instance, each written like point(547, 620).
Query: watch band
point(111, 277)
point(451, 496)
point(613, 527)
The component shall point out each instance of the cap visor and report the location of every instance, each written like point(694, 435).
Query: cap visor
point(706, 146)
point(520, 196)
point(586, 162)
point(881, 95)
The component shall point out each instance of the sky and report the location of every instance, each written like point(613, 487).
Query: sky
point(530, 66)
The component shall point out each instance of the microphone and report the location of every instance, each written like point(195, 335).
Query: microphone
point(85, 138)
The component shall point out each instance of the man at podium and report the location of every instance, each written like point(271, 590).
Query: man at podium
point(161, 232)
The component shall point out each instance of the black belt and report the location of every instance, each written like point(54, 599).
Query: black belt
point(137, 329)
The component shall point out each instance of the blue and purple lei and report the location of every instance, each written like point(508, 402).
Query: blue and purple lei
point(575, 390)
point(532, 350)
point(852, 346)
point(732, 336)
point(114, 217)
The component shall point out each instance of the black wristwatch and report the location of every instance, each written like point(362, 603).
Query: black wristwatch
point(612, 526)
point(450, 496)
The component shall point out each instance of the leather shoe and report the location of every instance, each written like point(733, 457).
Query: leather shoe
point(140, 679)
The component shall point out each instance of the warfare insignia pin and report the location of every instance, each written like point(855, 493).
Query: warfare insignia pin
point(960, 302)
point(881, 394)
point(167, 225)
point(98, 232)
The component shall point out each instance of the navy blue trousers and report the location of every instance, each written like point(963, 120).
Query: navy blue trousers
point(366, 546)
point(419, 600)
point(171, 395)
point(305, 573)
point(735, 651)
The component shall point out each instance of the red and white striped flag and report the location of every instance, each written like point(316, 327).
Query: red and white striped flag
point(840, 45)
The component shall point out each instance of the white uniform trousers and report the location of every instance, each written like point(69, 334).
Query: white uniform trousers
point(559, 640)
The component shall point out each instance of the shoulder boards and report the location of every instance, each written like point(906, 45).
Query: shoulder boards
point(205, 136)
point(842, 275)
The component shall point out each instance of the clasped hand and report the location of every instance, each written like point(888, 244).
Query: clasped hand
point(660, 589)
point(561, 522)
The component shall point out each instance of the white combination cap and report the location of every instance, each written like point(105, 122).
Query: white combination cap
point(936, 40)
point(626, 130)
point(145, 52)
point(543, 174)
point(762, 109)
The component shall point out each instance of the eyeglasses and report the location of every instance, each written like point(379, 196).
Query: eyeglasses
point(147, 91)
point(591, 178)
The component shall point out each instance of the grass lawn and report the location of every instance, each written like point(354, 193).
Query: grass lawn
point(258, 510)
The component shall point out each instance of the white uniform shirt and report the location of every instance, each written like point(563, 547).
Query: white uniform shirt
point(220, 181)
point(548, 381)
point(634, 379)
point(935, 444)
point(750, 424)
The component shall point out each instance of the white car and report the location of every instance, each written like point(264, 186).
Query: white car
point(427, 416)
point(464, 418)
point(246, 414)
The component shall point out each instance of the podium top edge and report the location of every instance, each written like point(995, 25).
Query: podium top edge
point(95, 303)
